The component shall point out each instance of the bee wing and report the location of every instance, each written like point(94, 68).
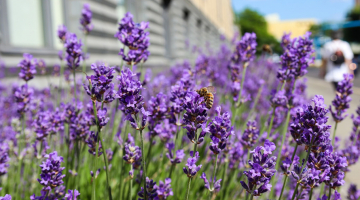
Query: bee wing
point(211, 89)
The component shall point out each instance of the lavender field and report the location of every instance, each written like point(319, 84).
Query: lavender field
point(233, 125)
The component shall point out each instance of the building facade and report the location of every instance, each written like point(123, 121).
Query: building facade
point(176, 26)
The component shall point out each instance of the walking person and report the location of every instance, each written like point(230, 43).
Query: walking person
point(336, 59)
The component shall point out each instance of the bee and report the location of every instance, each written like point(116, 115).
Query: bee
point(267, 49)
point(208, 94)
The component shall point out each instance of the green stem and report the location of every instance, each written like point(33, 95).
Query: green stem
point(311, 190)
point(271, 123)
point(224, 177)
point(286, 176)
point(333, 138)
point(243, 79)
point(302, 168)
point(106, 167)
point(214, 172)
point(188, 189)
point(294, 194)
point(329, 196)
point(75, 95)
point(84, 59)
point(131, 183)
point(149, 152)
point(143, 162)
point(171, 170)
point(255, 103)
point(285, 128)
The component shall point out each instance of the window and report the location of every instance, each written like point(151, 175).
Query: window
point(25, 23)
point(57, 17)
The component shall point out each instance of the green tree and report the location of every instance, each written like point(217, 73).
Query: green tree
point(250, 20)
point(352, 34)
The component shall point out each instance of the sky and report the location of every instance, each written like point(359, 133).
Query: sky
point(321, 10)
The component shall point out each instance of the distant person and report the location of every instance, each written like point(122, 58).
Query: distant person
point(336, 59)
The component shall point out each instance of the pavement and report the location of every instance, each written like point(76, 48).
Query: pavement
point(318, 86)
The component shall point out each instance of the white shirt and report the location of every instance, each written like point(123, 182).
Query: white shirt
point(335, 73)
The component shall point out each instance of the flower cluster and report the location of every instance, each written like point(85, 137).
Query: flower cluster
point(27, 67)
point(179, 154)
point(309, 124)
point(101, 88)
point(262, 169)
point(4, 158)
point(91, 142)
point(85, 19)
point(245, 49)
point(342, 99)
point(215, 182)
point(132, 152)
point(51, 172)
point(296, 58)
point(62, 32)
point(150, 191)
point(192, 168)
point(250, 135)
point(164, 189)
point(220, 130)
point(23, 97)
point(73, 51)
point(133, 36)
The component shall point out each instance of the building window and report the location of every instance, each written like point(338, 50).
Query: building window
point(25, 22)
point(186, 14)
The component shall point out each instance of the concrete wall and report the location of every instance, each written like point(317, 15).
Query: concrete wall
point(171, 27)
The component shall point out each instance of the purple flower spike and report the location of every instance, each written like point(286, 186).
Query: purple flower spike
point(27, 67)
point(151, 190)
point(23, 97)
point(179, 153)
point(220, 129)
point(207, 184)
point(164, 189)
point(250, 135)
point(133, 36)
point(245, 49)
point(72, 195)
point(309, 124)
point(62, 31)
point(4, 158)
point(279, 99)
point(6, 197)
point(129, 95)
point(51, 172)
point(73, 51)
point(336, 196)
point(342, 99)
point(353, 192)
point(262, 169)
point(91, 142)
point(85, 19)
point(132, 152)
point(102, 88)
point(192, 168)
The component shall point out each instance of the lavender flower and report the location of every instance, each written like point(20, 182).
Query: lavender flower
point(220, 129)
point(342, 100)
point(192, 168)
point(354, 136)
point(23, 97)
point(279, 99)
point(129, 96)
point(51, 172)
point(4, 158)
point(151, 190)
point(85, 19)
point(250, 135)
point(309, 125)
point(133, 36)
point(91, 142)
point(42, 65)
point(73, 51)
point(62, 32)
point(102, 88)
point(353, 192)
point(164, 189)
point(6, 197)
point(245, 49)
point(72, 195)
point(27, 67)
point(43, 125)
point(262, 169)
point(179, 153)
point(207, 184)
point(132, 152)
